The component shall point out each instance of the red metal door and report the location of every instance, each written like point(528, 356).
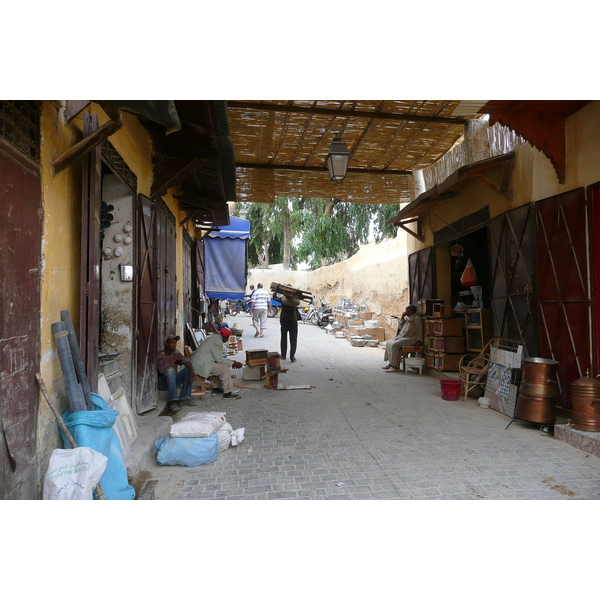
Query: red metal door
point(511, 239)
point(166, 271)
point(421, 275)
point(187, 278)
point(594, 203)
point(89, 300)
point(198, 282)
point(565, 316)
point(20, 255)
point(146, 335)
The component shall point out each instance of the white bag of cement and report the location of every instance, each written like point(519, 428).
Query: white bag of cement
point(73, 474)
point(201, 424)
point(237, 436)
point(224, 436)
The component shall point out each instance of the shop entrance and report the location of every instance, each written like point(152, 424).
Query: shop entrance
point(474, 247)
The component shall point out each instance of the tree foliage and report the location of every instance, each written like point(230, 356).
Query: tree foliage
point(319, 232)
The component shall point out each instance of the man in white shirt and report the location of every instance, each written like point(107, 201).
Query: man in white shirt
point(410, 333)
point(208, 360)
point(259, 303)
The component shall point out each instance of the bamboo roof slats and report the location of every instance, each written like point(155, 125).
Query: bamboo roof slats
point(274, 140)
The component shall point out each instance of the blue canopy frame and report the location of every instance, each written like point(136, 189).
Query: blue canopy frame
point(226, 260)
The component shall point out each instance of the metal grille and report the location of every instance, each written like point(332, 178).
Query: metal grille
point(20, 125)
point(119, 167)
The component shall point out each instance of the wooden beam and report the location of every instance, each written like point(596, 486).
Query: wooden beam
point(323, 169)
point(413, 233)
point(483, 179)
point(332, 112)
point(172, 176)
point(86, 144)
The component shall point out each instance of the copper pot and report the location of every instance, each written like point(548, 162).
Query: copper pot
point(534, 408)
point(585, 396)
point(539, 370)
point(549, 389)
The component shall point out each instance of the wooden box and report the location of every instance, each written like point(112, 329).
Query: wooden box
point(441, 310)
point(425, 307)
point(259, 356)
point(254, 373)
point(449, 345)
point(446, 327)
point(377, 333)
point(447, 362)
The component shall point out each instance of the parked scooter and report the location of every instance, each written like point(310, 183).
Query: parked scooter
point(308, 314)
point(325, 315)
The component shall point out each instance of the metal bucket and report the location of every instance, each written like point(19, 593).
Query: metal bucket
point(538, 392)
point(537, 409)
point(539, 370)
point(585, 396)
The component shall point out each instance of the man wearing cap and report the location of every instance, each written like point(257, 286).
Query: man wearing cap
point(168, 377)
point(208, 360)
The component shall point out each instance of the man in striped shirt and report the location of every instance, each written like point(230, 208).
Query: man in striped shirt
point(260, 301)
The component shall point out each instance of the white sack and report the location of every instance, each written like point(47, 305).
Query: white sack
point(202, 424)
point(224, 436)
point(73, 473)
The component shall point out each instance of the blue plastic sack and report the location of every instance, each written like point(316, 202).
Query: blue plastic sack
point(94, 429)
point(188, 452)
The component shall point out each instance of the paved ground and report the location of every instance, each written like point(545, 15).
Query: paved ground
point(362, 433)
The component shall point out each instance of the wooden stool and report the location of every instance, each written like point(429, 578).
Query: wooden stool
point(199, 388)
point(406, 352)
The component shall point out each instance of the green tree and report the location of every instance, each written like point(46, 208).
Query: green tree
point(319, 232)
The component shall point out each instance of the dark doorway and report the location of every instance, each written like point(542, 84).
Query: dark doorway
point(475, 248)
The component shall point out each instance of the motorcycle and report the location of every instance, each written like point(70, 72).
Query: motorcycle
point(308, 314)
point(324, 315)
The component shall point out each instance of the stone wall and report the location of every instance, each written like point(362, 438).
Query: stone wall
point(377, 275)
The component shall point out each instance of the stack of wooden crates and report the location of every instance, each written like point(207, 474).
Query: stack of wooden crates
point(444, 343)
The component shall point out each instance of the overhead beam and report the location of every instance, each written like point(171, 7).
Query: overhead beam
point(323, 169)
point(86, 144)
point(332, 112)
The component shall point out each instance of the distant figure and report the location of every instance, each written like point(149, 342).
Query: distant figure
point(259, 302)
point(168, 377)
point(410, 333)
point(208, 360)
point(289, 325)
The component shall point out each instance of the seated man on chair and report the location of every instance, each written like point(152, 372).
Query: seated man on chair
point(168, 377)
point(208, 360)
point(410, 333)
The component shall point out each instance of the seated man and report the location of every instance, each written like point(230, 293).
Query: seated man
point(168, 377)
point(410, 333)
point(208, 360)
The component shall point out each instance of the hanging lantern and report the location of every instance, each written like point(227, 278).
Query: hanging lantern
point(337, 160)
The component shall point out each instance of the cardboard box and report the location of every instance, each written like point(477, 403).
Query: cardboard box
point(365, 316)
point(377, 333)
point(355, 322)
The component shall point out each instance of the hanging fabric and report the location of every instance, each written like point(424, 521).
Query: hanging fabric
point(469, 276)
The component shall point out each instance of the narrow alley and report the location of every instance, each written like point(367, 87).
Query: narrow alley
point(361, 433)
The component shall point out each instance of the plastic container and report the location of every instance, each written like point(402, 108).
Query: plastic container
point(484, 402)
point(450, 389)
point(372, 324)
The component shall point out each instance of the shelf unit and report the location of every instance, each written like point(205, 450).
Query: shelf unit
point(444, 343)
point(477, 324)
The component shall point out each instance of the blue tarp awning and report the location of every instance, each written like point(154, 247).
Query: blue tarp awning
point(226, 260)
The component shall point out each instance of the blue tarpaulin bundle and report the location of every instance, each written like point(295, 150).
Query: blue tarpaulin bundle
point(94, 429)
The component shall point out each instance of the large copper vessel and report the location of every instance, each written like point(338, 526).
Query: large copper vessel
point(585, 396)
point(538, 392)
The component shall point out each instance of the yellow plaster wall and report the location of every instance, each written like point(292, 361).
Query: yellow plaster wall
point(61, 201)
point(61, 244)
point(533, 177)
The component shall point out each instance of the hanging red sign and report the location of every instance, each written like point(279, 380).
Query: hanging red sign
point(457, 250)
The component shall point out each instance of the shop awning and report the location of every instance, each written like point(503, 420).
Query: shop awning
point(226, 260)
point(451, 187)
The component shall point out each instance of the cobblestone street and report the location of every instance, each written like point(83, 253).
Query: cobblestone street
point(362, 433)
